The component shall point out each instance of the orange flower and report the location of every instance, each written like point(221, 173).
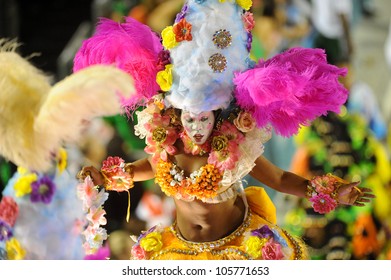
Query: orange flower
point(202, 184)
point(182, 31)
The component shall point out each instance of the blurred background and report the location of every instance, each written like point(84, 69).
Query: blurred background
point(52, 31)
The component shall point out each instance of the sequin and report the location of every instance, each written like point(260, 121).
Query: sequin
point(222, 39)
point(218, 62)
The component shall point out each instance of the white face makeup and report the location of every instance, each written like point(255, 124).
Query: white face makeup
point(198, 126)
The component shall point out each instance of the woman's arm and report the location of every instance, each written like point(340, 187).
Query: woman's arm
point(278, 179)
point(287, 182)
point(139, 170)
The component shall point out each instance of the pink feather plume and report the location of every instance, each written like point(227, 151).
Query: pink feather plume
point(132, 47)
point(291, 89)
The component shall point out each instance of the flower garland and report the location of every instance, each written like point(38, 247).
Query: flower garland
point(202, 184)
point(93, 200)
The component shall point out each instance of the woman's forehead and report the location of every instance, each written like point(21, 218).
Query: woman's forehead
point(195, 115)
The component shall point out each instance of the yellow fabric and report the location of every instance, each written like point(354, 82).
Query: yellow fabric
point(261, 212)
point(261, 204)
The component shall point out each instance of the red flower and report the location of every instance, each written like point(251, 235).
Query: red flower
point(8, 210)
point(182, 31)
point(323, 203)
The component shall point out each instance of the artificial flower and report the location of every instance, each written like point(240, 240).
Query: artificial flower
point(182, 31)
point(245, 4)
point(14, 250)
point(253, 245)
point(22, 170)
point(225, 147)
point(183, 12)
point(152, 242)
point(112, 165)
point(5, 231)
point(161, 137)
point(168, 37)
point(116, 178)
point(323, 203)
point(202, 183)
point(138, 253)
point(163, 59)
point(62, 160)
point(23, 184)
point(90, 195)
point(94, 238)
point(263, 232)
point(9, 210)
point(96, 217)
point(248, 46)
point(42, 190)
point(164, 78)
point(248, 21)
point(272, 251)
point(245, 122)
point(324, 184)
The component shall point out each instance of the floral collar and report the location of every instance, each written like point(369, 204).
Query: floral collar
point(162, 128)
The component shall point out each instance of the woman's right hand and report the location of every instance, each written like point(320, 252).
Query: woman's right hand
point(94, 173)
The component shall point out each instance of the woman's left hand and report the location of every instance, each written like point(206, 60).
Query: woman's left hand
point(352, 194)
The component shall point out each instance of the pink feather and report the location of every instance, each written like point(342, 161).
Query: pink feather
point(291, 89)
point(132, 47)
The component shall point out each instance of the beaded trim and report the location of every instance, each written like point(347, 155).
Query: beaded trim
point(298, 253)
point(212, 245)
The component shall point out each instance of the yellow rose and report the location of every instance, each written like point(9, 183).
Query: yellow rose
point(164, 78)
point(159, 135)
point(245, 4)
point(14, 250)
point(219, 143)
point(23, 185)
point(152, 242)
point(62, 160)
point(168, 36)
point(254, 246)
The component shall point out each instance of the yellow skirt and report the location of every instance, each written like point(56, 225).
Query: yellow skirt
point(258, 237)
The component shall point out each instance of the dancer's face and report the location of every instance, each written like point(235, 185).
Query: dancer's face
point(198, 126)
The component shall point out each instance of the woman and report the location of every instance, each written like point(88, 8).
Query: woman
point(206, 131)
point(218, 223)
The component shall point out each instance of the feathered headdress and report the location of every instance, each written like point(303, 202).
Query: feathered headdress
point(203, 64)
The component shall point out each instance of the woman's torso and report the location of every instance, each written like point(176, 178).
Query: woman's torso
point(199, 221)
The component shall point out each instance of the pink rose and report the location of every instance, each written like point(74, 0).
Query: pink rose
point(8, 210)
point(248, 20)
point(244, 122)
point(112, 165)
point(138, 253)
point(272, 251)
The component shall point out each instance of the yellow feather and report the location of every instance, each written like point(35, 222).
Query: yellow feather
point(36, 118)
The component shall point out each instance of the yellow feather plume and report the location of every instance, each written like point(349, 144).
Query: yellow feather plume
point(36, 119)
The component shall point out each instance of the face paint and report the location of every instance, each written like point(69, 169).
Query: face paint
point(198, 126)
